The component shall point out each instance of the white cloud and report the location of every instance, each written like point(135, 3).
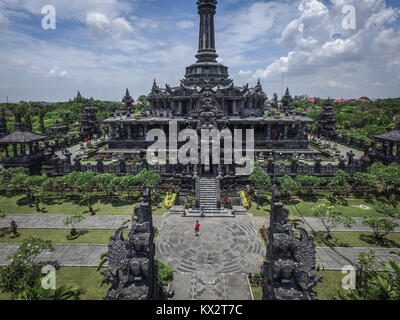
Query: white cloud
point(101, 27)
point(186, 24)
point(55, 73)
point(73, 9)
point(245, 73)
point(318, 47)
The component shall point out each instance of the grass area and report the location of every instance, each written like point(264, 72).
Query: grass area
point(257, 293)
point(17, 205)
point(86, 278)
point(160, 211)
point(361, 239)
point(264, 210)
point(60, 236)
point(350, 208)
point(327, 289)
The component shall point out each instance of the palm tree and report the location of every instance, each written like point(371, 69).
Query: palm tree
point(374, 285)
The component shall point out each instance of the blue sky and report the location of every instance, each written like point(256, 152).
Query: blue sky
point(102, 47)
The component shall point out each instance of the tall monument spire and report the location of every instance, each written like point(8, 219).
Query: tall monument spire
point(207, 52)
point(207, 71)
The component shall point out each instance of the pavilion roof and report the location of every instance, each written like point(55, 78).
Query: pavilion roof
point(392, 136)
point(22, 137)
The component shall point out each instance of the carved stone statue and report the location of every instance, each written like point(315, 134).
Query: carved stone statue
point(290, 271)
point(131, 270)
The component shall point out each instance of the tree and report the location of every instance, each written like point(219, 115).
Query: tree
point(339, 182)
point(41, 121)
point(88, 198)
point(365, 181)
point(105, 182)
point(330, 218)
point(65, 292)
point(374, 285)
point(72, 221)
point(387, 210)
point(147, 178)
point(380, 226)
point(261, 180)
point(387, 177)
point(308, 184)
point(28, 121)
point(19, 181)
point(289, 187)
point(23, 273)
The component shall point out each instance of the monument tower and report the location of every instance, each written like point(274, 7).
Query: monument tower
point(207, 70)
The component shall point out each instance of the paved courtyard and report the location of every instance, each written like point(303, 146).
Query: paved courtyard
point(215, 264)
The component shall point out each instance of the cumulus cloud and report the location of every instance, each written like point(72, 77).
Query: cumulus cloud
point(101, 27)
point(56, 73)
point(316, 40)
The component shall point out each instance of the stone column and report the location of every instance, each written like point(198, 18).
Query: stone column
point(398, 150)
point(190, 106)
point(15, 150)
point(179, 107)
point(30, 149)
point(286, 133)
point(234, 107)
point(268, 131)
point(391, 145)
point(129, 132)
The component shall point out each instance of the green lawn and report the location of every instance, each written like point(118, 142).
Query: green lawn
point(59, 236)
point(161, 210)
point(350, 209)
point(86, 278)
point(257, 293)
point(263, 211)
point(326, 289)
point(18, 205)
point(361, 239)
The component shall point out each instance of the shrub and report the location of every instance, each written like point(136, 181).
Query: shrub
point(169, 200)
point(227, 202)
point(245, 201)
point(165, 274)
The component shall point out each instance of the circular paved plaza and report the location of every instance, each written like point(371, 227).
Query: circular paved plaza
point(225, 245)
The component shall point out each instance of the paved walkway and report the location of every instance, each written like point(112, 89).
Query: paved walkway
point(55, 221)
point(316, 224)
point(89, 256)
point(38, 221)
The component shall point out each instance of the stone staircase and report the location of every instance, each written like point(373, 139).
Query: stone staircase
point(208, 200)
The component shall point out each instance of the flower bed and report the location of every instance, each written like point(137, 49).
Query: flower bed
point(245, 201)
point(169, 200)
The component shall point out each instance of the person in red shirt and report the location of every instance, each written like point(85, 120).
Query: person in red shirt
point(197, 228)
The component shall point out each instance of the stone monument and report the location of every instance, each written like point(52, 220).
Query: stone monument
point(132, 270)
point(290, 271)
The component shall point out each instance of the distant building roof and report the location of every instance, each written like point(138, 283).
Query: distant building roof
point(392, 136)
point(20, 137)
